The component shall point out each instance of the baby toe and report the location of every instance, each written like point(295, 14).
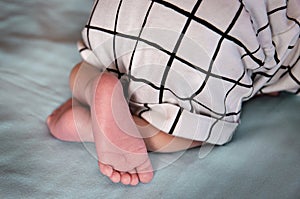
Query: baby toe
point(134, 179)
point(125, 178)
point(115, 177)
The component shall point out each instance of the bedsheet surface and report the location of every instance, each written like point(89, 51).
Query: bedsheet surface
point(37, 51)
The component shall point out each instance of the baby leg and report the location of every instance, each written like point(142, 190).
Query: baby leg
point(120, 148)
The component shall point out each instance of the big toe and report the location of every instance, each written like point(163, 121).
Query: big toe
point(145, 177)
point(145, 172)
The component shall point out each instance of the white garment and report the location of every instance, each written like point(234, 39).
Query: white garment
point(188, 65)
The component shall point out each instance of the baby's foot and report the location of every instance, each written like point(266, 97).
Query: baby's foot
point(121, 150)
point(71, 122)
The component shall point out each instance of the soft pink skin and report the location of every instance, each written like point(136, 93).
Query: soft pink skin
point(122, 156)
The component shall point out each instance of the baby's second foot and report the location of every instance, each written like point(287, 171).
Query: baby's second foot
point(71, 122)
point(121, 150)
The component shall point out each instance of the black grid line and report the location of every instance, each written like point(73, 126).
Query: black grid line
point(83, 49)
point(276, 58)
point(173, 54)
point(114, 39)
point(138, 39)
point(293, 19)
point(176, 121)
point(289, 71)
point(89, 23)
point(277, 9)
point(147, 108)
point(262, 28)
point(255, 51)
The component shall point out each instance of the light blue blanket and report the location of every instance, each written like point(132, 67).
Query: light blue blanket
point(37, 51)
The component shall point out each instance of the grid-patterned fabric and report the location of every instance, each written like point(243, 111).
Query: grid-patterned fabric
point(188, 65)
